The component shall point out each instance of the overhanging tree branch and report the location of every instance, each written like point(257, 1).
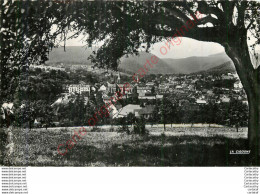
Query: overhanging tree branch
point(205, 8)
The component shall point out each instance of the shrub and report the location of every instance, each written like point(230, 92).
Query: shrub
point(139, 127)
point(124, 128)
point(96, 129)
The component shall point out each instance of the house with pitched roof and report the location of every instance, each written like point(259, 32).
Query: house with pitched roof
point(146, 112)
point(130, 108)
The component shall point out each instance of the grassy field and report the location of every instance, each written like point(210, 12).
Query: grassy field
point(39, 148)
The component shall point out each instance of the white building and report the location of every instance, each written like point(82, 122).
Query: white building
point(200, 101)
point(150, 84)
point(47, 68)
point(225, 99)
point(238, 85)
point(103, 88)
point(79, 88)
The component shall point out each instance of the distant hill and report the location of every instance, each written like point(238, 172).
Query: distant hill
point(131, 64)
point(73, 55)
point(227, 67)
point(178, 66)
point(197, 64)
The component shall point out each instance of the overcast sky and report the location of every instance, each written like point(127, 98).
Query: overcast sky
point(186, 48)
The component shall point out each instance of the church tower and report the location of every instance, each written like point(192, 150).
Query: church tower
point(118, 78)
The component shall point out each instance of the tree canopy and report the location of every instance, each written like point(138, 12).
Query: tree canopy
point(29, 30)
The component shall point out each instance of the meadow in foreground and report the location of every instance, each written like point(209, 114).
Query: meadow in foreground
point(39, 148)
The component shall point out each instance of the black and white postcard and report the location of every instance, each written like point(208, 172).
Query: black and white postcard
point(130, 83)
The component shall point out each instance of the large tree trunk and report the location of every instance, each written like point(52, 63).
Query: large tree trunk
point(250, 78)
point(254, 126)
